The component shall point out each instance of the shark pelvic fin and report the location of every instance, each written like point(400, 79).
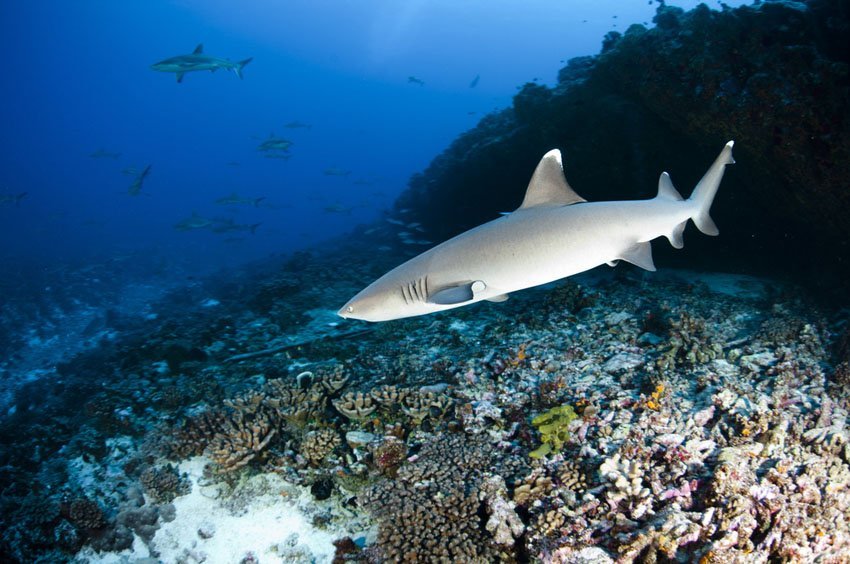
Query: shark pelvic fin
point(180, 76)
point(457, 294)
point(498, 299)
point(199, 49)
point(640, 254)
point(675, 236)
point(666, 190)
point(548, 187)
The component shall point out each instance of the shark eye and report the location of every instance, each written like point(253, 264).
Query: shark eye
point(350, 309)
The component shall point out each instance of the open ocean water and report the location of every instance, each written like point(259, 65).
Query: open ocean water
point(407, 281)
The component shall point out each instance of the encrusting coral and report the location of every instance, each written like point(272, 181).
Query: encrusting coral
point(428, 512)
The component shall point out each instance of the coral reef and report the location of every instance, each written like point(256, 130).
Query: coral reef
point(429, 510)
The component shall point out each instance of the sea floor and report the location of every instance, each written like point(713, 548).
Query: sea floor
point(617, 416)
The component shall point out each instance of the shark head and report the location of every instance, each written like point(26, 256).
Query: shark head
point(374, 304)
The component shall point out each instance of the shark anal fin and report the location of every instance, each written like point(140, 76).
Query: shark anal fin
point(613, 263)
point(640, 254)
point(457, 294)
point(199, 49)
point(180, 76)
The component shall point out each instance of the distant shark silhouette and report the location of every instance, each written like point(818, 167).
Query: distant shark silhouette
point(555, 233)
point(197, 61)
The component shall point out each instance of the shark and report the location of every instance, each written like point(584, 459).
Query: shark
point(235, 199)
point(274, 143)
point(198, 61)
point(192, 223)
point(12, 198)
point(554, 234)
point(136, 187)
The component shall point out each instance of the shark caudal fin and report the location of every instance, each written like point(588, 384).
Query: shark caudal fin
point(703, 194)
point(241, 65)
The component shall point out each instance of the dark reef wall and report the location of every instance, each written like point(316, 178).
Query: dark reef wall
point(773, 77)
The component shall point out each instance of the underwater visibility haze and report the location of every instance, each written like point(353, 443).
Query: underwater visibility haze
point(424, 281)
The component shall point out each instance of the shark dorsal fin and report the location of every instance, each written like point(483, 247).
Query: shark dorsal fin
point(548, 187)
point(199, 49)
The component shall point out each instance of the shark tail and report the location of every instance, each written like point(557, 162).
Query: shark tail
point(241, 65)
point(254, 228)
point(703, 194)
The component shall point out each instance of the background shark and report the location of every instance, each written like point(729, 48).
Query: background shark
point(555, 233)
point(197, 61)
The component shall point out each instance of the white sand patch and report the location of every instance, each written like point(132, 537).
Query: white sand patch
point(264, 517)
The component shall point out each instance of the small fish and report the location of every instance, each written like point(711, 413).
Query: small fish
point(278, 156)
point(104, 154)
point(12, 198)
point(234, 163)
point(235, 200)
point(394, 221)
point(130, 171)
point(298, 125)
point(414, 80)
point(334, 171)
point(136, 187)
point(475, 80)
point(197, 61)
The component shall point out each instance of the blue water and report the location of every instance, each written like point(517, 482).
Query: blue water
point(77, 80)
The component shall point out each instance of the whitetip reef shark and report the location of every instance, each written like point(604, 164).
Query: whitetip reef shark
point(197, 61)
point(555, 233)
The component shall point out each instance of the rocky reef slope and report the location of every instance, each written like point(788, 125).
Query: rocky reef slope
point(772, 76)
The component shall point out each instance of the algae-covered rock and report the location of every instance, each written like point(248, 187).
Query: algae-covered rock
point(553, 426)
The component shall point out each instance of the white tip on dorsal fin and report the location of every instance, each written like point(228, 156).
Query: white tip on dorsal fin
point(666, 190)
point(548, 187)
point(199, 49)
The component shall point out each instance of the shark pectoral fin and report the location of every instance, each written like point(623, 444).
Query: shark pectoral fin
point(199, 49)
point(640, 254)
point(180, 76)
point(457, 294)
point(675, 237)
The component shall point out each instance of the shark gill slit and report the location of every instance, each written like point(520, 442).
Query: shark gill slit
point(405, 295)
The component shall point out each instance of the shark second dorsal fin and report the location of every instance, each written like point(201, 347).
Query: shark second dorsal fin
point(548, 187)
point(199, 49)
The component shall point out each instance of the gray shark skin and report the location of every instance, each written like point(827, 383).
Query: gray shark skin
point(197, 61)
point(13, 198)
point(555, 233)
